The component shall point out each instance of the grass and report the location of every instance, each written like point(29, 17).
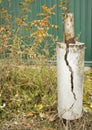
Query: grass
point(30, 95)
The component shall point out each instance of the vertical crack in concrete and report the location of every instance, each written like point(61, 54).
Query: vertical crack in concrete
point(71, 71)
point(72, 78)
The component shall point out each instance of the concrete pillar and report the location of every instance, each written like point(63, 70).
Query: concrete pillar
point(70, 71)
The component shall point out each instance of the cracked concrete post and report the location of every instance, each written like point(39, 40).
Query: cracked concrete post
point(70, 70)
point(70, 99)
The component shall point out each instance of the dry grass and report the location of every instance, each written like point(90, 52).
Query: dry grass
point(30, 95)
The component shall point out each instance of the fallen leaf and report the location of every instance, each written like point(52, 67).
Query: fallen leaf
point(91, 105)
point(29, 114)
point(40, 106)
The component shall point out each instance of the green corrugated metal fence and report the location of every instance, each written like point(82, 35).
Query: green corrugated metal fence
point(82, 10)
point(83, 23)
